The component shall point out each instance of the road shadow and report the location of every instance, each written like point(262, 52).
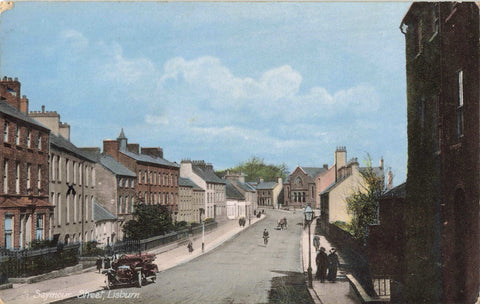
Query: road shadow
point(289, 288)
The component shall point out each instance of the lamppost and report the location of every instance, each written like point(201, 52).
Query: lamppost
point(202, 212)
point(308, 213)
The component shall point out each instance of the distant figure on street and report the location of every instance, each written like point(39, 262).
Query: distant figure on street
point(316, 242)
point(285, 223)
point(190, 246)
point(98, 263)
point(265, 236)
point(333, 264)
point(322, 265)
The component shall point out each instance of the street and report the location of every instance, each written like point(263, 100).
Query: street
point(242, 270)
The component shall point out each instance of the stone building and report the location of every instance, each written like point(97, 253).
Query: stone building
point(191, 201)
point(115, 191)
point(236, 203)
point(348, 180)
point(268, 193)
point(237, 180)
point(25, 211)
point(202, 174)
point(72, 182)
point(301, 186)
point(441, 252)
point(157, 178)
point(106, 225)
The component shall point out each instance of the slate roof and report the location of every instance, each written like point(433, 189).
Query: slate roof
point(114, 166)
point(266, 185)
point(313, 171)
point(64, 144)
point(399, 191)
point(207, 175)
point(14, 112)
point(149, 159)
point(251, 186)
point(377, 170)
point(186, 182)
point(244, 186)
point(232, 192)
point(101, 214)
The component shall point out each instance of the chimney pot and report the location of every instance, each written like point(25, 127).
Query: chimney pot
point(43, 108)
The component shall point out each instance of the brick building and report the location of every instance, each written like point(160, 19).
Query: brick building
point(157, 178)
point(268, 193)
point(25, 212)
point(115, 192)
point(300, 187)
point(442, 255)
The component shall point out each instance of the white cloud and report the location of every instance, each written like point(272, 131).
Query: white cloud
point(156, 119)
point(76, 39)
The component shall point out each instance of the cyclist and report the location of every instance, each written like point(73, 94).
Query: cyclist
point(265, 236)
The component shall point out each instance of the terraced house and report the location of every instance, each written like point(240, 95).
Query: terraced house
point(157, 178)
point(191, 201)
point(25, 211)
point(72, 182)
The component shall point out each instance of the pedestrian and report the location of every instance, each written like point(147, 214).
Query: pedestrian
point(98, 263)
point(285, 222)
point(333, 264)
point(316, 242)
point(190, 246)
point(107, 263)
point(322, 265)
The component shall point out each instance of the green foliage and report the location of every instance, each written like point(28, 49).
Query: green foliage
point(362, 204)
point(90, 249)
point(39, 244)
point(256, 168)
point(180, 225)
point(149, 221)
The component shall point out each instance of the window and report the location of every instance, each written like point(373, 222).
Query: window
point(119, 205)
point(418, 37)
point(80, 173)
point(29, 177)
point(28, 138)
point(75, 208)
point(54, 167)
point(460, 119)
point(17, 135)
point(17, 177)
point(39, 178)
point(39, 227)
point(120, 182)
point(5, 131)
point(68, 208)
point(8, 231)
point(5, 176)
point(67, 167)
point(59, 206)
point(74, 172)
point(145, 177)
point(39, 141)
point(58, 171)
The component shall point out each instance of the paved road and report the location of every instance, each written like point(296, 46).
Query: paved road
point(242, 270)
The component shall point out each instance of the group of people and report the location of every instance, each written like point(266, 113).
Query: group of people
point(326, 263)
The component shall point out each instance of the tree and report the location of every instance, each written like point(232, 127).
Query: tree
point(256, 168)
point(149, 221)
point(363, 203)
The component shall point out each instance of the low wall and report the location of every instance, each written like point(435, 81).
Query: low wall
point(46, 276)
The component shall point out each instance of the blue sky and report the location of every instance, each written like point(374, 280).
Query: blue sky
point(287, 82)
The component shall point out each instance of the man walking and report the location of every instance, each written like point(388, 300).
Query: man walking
point(322, 265)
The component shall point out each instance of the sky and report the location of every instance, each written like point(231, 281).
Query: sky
point(219, 81)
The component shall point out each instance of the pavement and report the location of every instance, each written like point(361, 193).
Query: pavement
point(326, 293)
point(89, 280)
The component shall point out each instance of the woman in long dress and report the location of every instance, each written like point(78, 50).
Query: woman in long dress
point(332, 265)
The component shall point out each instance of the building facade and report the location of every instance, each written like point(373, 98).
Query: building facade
point(203, 175)
point(268, 193)
point(115, 191)
point(25, 211)
point(191, 201)
point(157, 178)
point(348, 180)
point(301, 187)
point(246, 190)
point(441, 252)
point(72, 182)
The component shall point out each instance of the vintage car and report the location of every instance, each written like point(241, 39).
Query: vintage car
point(131, 269)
